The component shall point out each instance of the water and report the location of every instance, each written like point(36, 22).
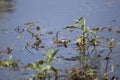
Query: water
point(53, 16)
point(61, 13)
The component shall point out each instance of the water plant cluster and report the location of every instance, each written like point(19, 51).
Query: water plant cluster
point(93, 54)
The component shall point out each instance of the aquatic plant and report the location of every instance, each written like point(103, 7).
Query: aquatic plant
point(93, 60)
point(43, 68)
point(90, 38)
point(8, 62)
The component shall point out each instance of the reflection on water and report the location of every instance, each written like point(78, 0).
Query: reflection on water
point(6, 6)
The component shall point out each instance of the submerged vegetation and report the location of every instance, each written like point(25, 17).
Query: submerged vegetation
point(92, 54)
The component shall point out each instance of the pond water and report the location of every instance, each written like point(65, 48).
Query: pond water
point(53, 15)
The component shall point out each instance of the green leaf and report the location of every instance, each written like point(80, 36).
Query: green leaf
point(54, 70)
point(51, 55)
point(10, 57)
point(71, 26)
point(91, 72)
point(54, 52)
point(5, 64)
point(45, 67)
point(79, 20)
point(36, 66)
point(111, 43)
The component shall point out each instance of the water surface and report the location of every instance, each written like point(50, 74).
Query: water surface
point(53, 16)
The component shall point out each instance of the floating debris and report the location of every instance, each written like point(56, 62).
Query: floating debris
point(118, 31)
point(71, 59)
point(110, 29)
point(114, 20)
point(30, 24)
point(19, 30)
point(50, 32)
point(63, 42)
point(9, 50)
point(38, 28)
